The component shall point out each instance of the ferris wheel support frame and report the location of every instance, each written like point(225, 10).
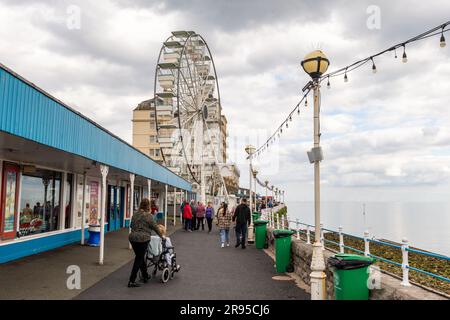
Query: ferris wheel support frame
point(203, 122)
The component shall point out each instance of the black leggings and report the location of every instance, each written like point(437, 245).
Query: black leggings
point(202, 222)
point(139, 249)
point(209, 221)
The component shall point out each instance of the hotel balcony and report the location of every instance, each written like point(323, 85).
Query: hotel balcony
point(166, 142)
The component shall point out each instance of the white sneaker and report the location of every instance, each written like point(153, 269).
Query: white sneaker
point(228, 244)
point(223, 245)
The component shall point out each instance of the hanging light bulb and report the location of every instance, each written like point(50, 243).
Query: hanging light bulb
point(395, 52)
point(281, 130)
point(345, 76)
point(404, 58)
point(298, 110)
point(328, 83)
point(287, 125)
point(374, 67)
point(290, 118)
point(442, 41)
point(306, 101)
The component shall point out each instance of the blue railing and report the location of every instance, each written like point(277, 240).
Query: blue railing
point(404, 247)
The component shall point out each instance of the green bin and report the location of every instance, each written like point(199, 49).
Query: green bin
point(255, 216)
point(260, 233)
point(351, 275)
point(282, 248)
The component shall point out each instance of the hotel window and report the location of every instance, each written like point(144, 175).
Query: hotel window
point(40, 202)
point(153, 139)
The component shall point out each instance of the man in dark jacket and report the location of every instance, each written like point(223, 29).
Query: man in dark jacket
point(242, 218)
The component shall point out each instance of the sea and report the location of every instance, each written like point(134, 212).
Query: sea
point(426, 225)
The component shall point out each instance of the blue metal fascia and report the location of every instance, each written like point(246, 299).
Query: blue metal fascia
point(29, 112)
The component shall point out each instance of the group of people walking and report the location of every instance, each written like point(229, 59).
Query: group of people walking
point(194, 215)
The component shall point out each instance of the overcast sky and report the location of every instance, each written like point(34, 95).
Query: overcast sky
point(385, 136)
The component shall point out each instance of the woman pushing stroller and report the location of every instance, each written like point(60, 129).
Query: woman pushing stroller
point(142, 224)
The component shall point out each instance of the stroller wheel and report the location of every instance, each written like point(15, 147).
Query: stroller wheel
point(172, 274)
point(165, 275)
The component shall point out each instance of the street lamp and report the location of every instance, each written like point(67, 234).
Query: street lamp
point(255, 173)
point(276, 194)
point(266, 184)
point(250, 151)
point(315, 64)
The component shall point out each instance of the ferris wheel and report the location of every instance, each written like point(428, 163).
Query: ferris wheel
point(188, 112)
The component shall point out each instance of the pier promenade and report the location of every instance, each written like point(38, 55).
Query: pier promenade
point(207, 272)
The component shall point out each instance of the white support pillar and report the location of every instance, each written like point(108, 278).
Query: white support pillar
point(366, 243)
point(83, 209)
point(405, 263)
point(341, 240)
point(149, 187)
point(104, 171)
point(62, 205)
point(132, 177)
point(181, 213)
point(174, 206)
point(298, 229)
point(165, 206)
point(308, 235)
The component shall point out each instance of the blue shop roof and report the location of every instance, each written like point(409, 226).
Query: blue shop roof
point(31, 113)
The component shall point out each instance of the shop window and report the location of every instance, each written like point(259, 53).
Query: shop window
point(40, 202)
point(79, 202)
point(8, 209)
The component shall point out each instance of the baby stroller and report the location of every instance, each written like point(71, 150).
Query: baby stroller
point(160, 256)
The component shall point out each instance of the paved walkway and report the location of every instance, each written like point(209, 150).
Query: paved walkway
point(208, 272)
point(43, 275)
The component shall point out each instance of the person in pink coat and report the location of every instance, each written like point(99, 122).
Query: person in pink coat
point(200, 216)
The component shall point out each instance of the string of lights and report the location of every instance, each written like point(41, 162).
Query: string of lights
point(285, 123)
point(438, 30)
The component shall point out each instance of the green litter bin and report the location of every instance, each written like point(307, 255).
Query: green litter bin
point(282, 249)
point(255, 216)
point(351, 275)
point(260, 233)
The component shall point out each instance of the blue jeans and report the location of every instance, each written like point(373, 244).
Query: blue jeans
point(225, 235)
point(241, 233)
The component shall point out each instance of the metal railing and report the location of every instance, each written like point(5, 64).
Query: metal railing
point(404, 247)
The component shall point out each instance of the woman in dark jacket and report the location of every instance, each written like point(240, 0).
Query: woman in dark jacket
point(141, 225)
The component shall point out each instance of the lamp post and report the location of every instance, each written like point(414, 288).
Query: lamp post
point(250, 151)
point(283, 197)
point(276, 194)
point(255, 173)
point(266, 183)
point(315, 64)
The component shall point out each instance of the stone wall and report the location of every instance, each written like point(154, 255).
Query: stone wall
point(391, 289)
